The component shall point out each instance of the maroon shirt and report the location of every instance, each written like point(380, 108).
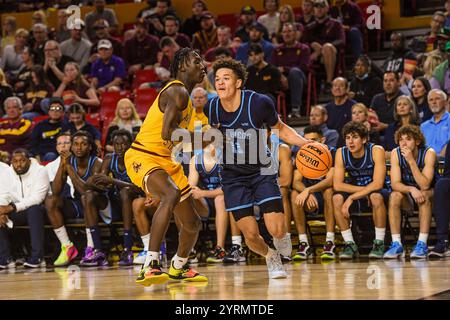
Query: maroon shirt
point(14, 135)
point(203, 40)
point(183, 40)
point(289, 57)
point(138, 52)
point(329, 31)
point(350, 15)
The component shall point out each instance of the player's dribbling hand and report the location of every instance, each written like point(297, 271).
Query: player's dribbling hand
point(301, 198)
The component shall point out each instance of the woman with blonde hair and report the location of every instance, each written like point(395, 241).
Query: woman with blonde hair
point(431, 62)
point(74, 88)
point(12, 55)
point(405, 112)
point(39, 16)
point(9, 32)
point(126, 118)
point(360, 114)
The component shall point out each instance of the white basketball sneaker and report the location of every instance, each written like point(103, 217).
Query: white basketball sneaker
point(275, 266)
point(283, 245)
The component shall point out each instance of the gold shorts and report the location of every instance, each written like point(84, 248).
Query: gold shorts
point(141, 163)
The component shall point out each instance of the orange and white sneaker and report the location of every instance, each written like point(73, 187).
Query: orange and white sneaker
point(152, 274)
point(186, 274)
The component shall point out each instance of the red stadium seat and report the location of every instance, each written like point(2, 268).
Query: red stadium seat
point(94, 119)
point(108, 102)
point(144, 99)
point(38, 119)
point(281, 105)
point(143, 76)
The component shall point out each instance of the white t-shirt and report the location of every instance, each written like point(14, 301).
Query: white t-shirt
point(52, 168)
point(270, 22)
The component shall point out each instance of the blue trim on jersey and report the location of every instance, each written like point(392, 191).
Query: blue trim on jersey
point(239, 114)
point(91, 162)
point(240, 207)
point(268, 199)
point(248, 110)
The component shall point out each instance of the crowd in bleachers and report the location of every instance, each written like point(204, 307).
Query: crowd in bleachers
point(56, 84)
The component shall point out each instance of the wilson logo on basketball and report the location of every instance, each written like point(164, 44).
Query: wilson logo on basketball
point(308, 159)
point(313, 160)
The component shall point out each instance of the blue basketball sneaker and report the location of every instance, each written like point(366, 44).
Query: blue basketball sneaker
point(395, 250)
point(420, 251)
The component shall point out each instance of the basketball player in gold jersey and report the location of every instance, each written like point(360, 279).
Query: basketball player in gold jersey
point(150, 166)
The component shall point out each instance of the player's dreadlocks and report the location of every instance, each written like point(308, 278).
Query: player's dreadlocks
point(181, 58)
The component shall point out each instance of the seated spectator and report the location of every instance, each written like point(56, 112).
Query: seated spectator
point(405, 113)
point(39, 16)
point(168, 48)
point(443, 37)
point(9, 28)
point(361, 114)
point(155, 18)
point(126, 117)
point(262, 77)
point(224, 41)
point(101, 28)
point(23, 79)
point(396, 61)
point(148, 10)
point(349, 14)
point(436, 24)
point(199, 98)
point(271, 19)
point(141, 50)
point(77, 122)
point(5, 89)
point(15, 131)
point(256, 37)
point(37, 42)
point(192, 24)
point(292, 59)
point(441, 75)
point(340, 109)
point(171, 28)
point(77, 47)
point(430, 64)
point(39, 89)
point(206, 38)
point(100, 12)
point(22, 206)
point(287, 15)
point(43, 137)
point(74, 88)
point(318, 117)
point(108, 71)
point(307, 16)
point(246, 19)
point(62, 32)
point(325, 36)
point(419, 92)
point(364, 85)
point(383, 103)
point(436, 130)
point(55, 62)
point(11, 59)
point(59, 202)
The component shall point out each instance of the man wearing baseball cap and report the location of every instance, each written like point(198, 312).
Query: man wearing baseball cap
point(207, 37)
point(108, 71)
point(256, 36)
point(247, 17)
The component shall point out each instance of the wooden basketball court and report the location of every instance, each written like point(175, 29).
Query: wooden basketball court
point(351, 280)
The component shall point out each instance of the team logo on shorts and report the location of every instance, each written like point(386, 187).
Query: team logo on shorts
point(136, 166)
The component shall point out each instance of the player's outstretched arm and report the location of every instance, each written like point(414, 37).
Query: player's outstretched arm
point(289, 135)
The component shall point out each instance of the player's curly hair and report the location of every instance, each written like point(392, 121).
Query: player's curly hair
point(411, 131)
point(238, 68)
point(355, 127)
point(122, 132)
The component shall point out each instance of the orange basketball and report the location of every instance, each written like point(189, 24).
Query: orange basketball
point(313, 160)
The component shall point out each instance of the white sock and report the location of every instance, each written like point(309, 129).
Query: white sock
point(146, 241)
point(151, 255)
point(303, 237)
point(179, 262)
point(423, 237)
point(90, 242)
point(236, 240)
point(379, 233)
point(330, 236)
point(347, 235)
point(397, 238)
point(61, 233)
point(270, 252)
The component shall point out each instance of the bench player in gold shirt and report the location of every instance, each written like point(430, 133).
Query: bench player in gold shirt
point(150, 166)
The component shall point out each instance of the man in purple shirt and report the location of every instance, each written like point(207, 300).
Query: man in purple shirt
point(292, 59)
point(350, 15)
point(325, 36)
point(108, 71)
